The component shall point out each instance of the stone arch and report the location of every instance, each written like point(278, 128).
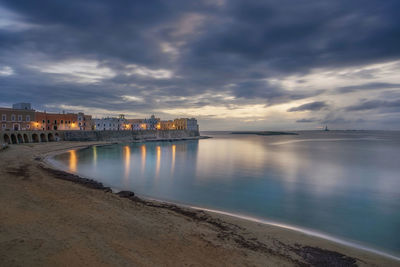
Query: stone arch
point(43, 137)
point(7, 139)
point(35, 138)
point(50, 137)
point(13, 139)
point(57, 136)
point(26, 138)
point(19, 138)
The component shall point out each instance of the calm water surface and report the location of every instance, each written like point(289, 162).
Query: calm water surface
point(345, 184)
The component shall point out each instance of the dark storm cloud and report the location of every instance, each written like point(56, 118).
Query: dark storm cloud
point(368, 86)
point(313, 106)
point(285, 37)
point(375, 104)
point(229, 49)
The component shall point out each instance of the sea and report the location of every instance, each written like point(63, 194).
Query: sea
point(339, 185)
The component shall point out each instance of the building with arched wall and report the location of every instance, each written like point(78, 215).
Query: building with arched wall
point(16, 119)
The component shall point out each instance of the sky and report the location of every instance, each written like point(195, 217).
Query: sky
point(234, 65)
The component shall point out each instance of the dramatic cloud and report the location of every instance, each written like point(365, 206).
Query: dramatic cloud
point(368, 86)
point(231, 63)
point(374, 104)
point(318, 105)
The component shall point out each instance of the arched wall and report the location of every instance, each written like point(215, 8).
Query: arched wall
point(26, 138)
point(35, 138)
point(7, 139)
point(43, 137)
point(13, 139)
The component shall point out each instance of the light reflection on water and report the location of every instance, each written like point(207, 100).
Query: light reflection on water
point(127, 160)
point(72, 160)
point(342, 183)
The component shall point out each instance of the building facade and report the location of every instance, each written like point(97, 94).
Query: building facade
point(192, 124)
point(23, 117)
point(166, 125)
point(186, 124)
point(136, 124)
point(85, 122)
point(54, 121)
point(111, 124)
point(16, 119)
point(151, 123)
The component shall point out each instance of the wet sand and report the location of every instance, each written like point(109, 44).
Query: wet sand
point(52, 218)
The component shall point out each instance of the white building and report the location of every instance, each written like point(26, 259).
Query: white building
point(192, 124)
point(151, 123)
point(110, 124)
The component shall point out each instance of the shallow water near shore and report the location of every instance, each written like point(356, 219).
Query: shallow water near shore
point(342, 183)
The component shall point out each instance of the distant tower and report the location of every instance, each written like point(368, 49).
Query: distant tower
point(326, 128)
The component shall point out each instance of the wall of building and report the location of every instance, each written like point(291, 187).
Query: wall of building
point(20, 137)
point(16, 119)
point(110, 124)
point(127, 136)
point(54, 121)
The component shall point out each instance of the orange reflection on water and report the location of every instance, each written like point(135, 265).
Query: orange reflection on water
point(143, 148)
point(173, 159)
point(72, 160)
point(158, 162)
point(94, 155)
point(127, 160)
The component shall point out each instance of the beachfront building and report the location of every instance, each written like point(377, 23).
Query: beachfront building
point(62, 121)
point(186, 124)
point(166, 125)
point(22, 117)
point(151, 123)
point(85, 122)
point(192, 124)
point(136, 124)
point(18, 118)
point(111, 124)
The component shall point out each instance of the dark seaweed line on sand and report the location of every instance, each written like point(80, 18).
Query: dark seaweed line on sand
point(312, 256)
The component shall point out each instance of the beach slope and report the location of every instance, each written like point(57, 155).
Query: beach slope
point(46, 220)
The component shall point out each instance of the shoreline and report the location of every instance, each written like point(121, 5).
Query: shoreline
point(50, 162)
point(295, 254)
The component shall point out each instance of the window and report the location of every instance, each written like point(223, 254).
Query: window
point(12, 117)
point(4, 117)
point(55, 121)
point(19, 117)
point(62, 121)
point(28, 126)
point(28, 118)
point(48, 121)
point(44, 121)
point(4, 126)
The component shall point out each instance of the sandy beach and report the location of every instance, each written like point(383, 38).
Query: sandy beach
point(52, 218)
